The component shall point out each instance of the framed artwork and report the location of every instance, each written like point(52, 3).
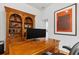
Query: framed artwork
point(65, 20)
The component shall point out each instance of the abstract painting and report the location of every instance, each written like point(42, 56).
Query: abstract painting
point(65, 20)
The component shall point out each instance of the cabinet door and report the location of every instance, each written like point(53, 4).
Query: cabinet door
point(28, 22)
point(15, 26)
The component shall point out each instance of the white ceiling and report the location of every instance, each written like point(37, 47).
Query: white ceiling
point(40, 6)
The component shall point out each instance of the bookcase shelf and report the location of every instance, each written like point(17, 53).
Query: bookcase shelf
point(15, 27)
point(15, 21)
point(28, 22)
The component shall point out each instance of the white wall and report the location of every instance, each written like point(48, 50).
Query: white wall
point(40, 23)
point(65, 40)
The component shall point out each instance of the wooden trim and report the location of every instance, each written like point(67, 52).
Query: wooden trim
point(10, 8)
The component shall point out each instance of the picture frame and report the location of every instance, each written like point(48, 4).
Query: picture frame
point(65, 20)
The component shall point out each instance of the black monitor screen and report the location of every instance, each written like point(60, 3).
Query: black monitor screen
point(36, 33)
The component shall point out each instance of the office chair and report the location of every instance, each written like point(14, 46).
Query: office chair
point(74, 50)
point(1, 47)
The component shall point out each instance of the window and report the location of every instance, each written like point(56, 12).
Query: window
point(46, 29)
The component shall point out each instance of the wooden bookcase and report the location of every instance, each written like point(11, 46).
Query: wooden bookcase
point(17, 23)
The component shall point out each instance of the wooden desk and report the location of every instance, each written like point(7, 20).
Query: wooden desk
point(31, 47)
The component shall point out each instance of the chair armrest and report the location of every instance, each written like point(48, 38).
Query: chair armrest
point(68, 48)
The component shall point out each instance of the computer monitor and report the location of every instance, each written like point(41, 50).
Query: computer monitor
point(36, 33)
